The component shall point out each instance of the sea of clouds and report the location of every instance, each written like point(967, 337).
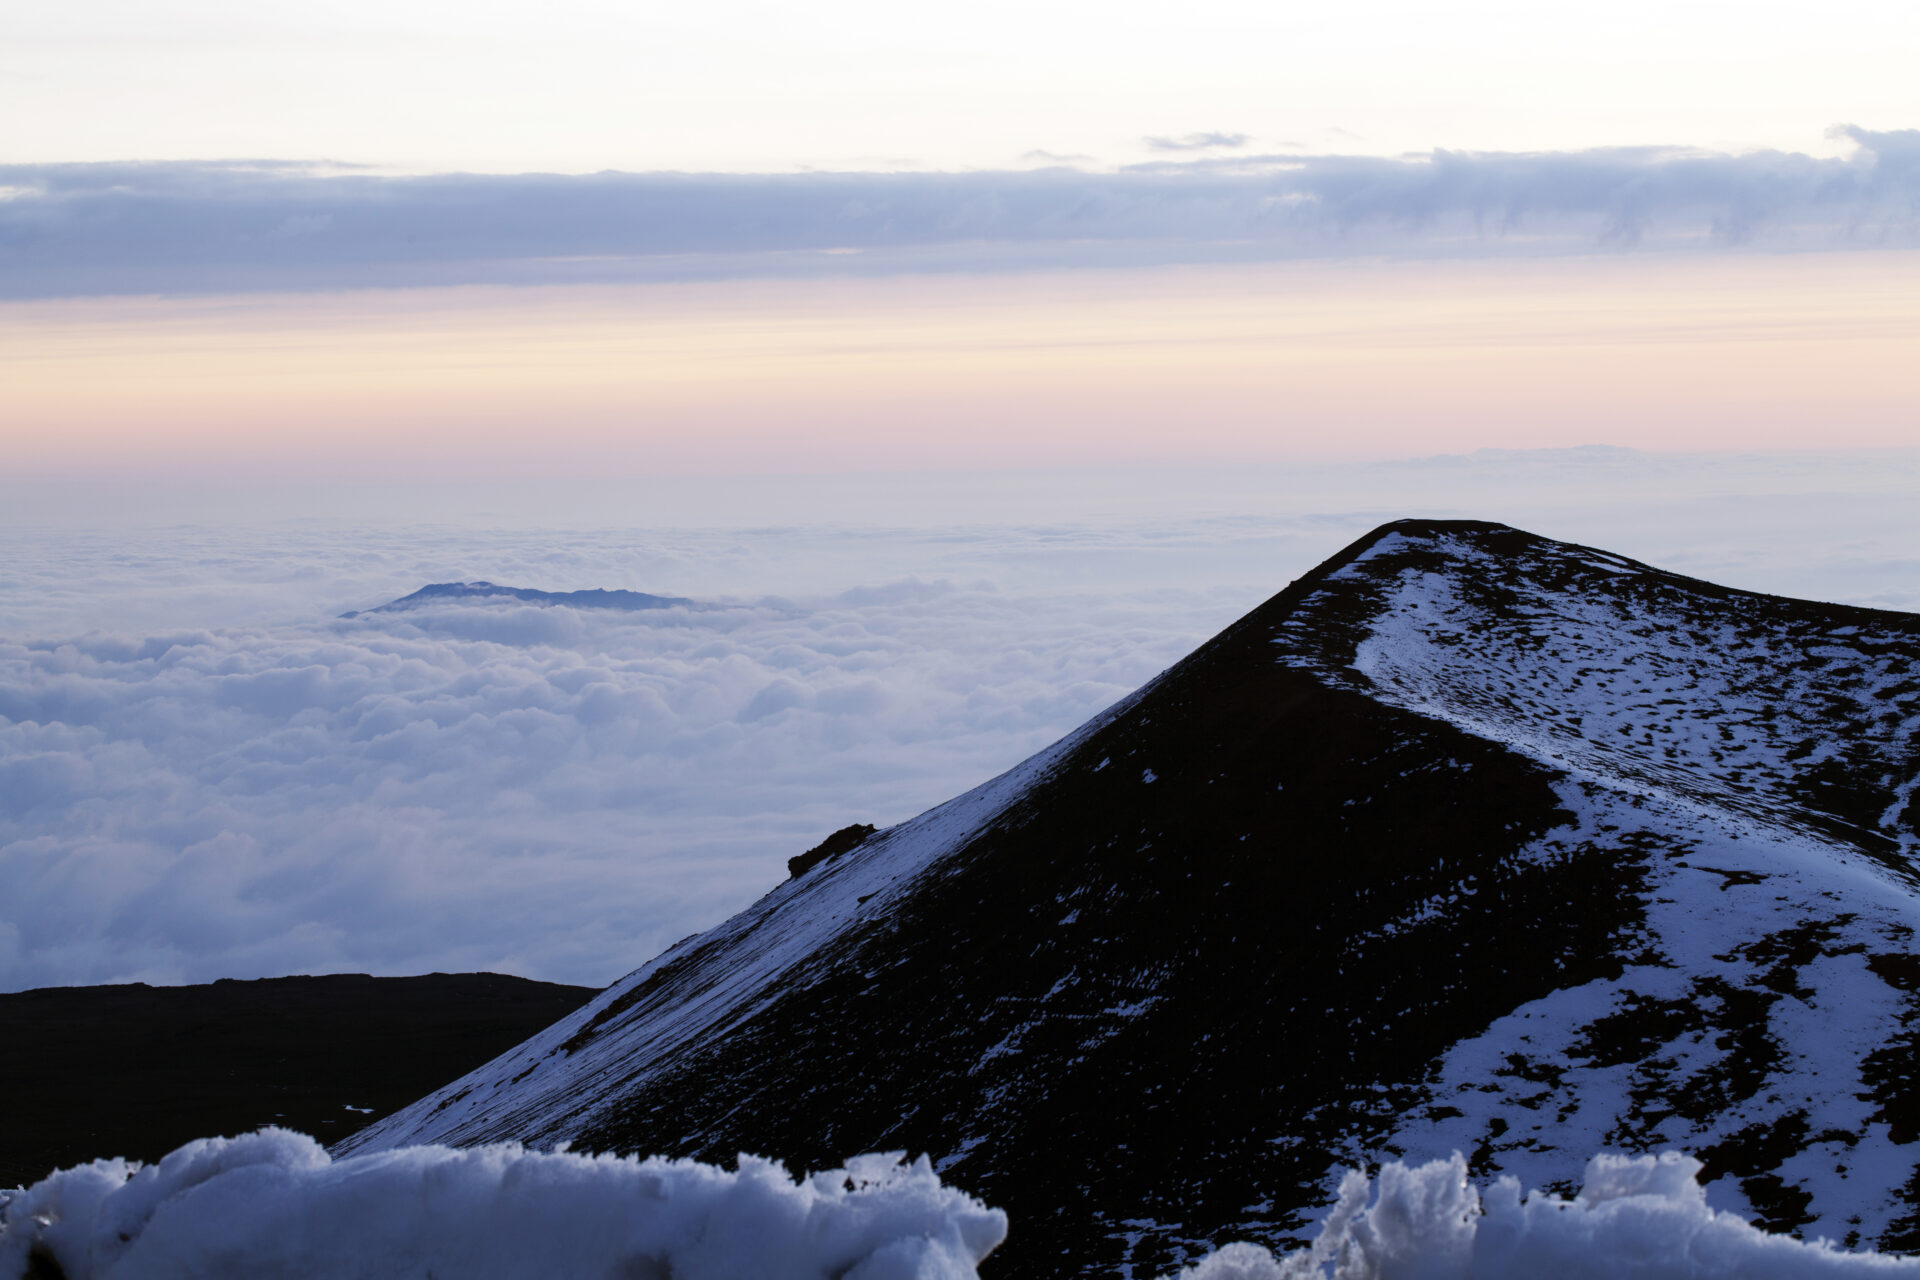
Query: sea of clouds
point(205, 772)
point(273, 1203)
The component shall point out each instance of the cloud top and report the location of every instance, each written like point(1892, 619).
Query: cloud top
point(524, 788)
point(200, 227)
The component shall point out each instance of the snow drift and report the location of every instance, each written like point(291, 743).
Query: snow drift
point(273, 1203)
point(1636, 1218)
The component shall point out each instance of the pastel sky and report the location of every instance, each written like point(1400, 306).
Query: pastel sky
point(763, 86)
point(498, 239)
point(1205, 364)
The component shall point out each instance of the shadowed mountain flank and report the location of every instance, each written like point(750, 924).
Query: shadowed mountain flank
point(1466, 840)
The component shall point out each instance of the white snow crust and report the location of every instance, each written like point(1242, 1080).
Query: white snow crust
point(1712, 707)
point(272, 1204)
point(1642, 1218)
point(1541, 1071)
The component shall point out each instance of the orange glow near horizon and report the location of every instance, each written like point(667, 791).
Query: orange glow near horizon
point(1202, 364)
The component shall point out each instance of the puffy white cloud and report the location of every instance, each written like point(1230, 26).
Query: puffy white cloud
point(552, 791)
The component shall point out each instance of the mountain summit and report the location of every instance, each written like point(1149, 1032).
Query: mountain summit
point(1467, 840)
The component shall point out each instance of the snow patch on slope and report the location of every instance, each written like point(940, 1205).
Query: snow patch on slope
point(1744, 1020)
point(1724, 703)
point(1683, 727)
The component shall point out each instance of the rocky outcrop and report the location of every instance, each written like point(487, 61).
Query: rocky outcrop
point(845, 840)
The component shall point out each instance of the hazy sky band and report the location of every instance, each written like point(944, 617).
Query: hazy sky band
point(175, 227)
point(1182, 364)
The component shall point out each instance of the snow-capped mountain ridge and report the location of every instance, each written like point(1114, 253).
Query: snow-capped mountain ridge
point(1585, 686)
point(1366, 874)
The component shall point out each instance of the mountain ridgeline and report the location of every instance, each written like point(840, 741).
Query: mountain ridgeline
point(1467, 840)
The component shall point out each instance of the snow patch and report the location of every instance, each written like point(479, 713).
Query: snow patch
point(1637, 1218)
point(273, 1203)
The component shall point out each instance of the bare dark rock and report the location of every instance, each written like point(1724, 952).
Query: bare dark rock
point(134, 1070)
point(845, 840)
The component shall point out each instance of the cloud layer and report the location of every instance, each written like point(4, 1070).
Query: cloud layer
point(205, 773)
point(184, 227)
point(545, 790)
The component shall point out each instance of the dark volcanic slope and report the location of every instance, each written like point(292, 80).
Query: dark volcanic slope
point(136, 1070)
point(1466, 840)
point(484, 592)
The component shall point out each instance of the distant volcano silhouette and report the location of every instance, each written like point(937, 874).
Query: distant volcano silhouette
point(435, 593)
point(1466, 840)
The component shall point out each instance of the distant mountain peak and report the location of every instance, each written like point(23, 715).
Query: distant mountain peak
point(478, 592)
point(1467, 840)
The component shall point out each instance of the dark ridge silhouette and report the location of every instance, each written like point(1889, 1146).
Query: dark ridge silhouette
point(135, 1070)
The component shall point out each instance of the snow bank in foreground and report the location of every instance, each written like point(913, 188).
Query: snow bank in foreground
point(274, 1204)
point(1643, 1218)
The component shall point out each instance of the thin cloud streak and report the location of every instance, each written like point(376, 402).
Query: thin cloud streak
point(76, 230)
point(1198, 142)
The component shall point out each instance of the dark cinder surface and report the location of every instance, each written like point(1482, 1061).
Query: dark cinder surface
point(134, 1070)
